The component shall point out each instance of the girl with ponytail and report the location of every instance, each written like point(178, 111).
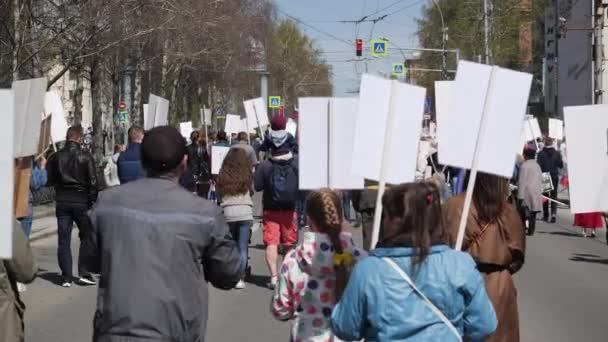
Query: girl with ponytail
point(314, 274)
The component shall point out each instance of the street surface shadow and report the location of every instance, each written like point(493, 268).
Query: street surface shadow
point(590, 258)
point(258, 280)
point(570, 234)
point(51, 277)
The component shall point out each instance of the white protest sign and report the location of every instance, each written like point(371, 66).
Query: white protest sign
point(218, 154)
point(158, 112)
point(206, 116)
point(556, 129)
point(257, 113)
point(483, 130)
point(186, 129)
point(28, 108)
point(146, 117)
point(233, 125)
point(7, 169)
point(327, 127)
point(59, 125)
point(393, 111)
point(505, 106)
point(443, 100)
point(587, 157)
point(245, 126)
point(292, 127)
point(378, 98)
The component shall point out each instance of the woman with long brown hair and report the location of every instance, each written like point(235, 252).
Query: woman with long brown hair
point(495, 238)
point(314, 274)
point(414, 287)
point(235, 186)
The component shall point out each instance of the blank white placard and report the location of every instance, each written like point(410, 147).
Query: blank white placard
point(186, 129)
point(233, 125)
point(256, 111)
point(587, 132)
point(162, 112)
point(245, 126)
point(146, 115)
point(407, 104)
point(218, 154)
point(28, 108)
point(292, 127)
point(374, 97)
point(7, 165)
point(556, 129)
point(59, 125)
point(506, 107)
point(342, 115)
point(206, 116)
point(443, 99)
point(313, 143)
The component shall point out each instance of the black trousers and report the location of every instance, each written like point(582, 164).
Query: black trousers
point(553, 196)
point(67, 213)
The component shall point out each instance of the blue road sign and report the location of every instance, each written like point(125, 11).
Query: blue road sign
point(379, 48)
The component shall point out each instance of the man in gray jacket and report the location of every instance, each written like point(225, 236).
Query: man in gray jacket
point(156, 245)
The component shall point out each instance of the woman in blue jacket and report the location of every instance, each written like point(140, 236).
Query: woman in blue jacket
point(447, 299)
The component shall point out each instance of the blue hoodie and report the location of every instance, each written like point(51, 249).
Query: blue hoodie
point(129, 164)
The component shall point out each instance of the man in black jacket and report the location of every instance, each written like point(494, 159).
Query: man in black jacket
point(550, 160)
point(198, 165)
point(72, 172)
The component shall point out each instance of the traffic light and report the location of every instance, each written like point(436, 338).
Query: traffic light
point(359, 47)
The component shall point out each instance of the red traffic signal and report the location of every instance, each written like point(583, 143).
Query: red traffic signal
point(359, 47)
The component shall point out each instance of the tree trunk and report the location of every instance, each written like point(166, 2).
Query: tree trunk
point(164, 70)
point(107, 91)
point(77, 99)
point(96, 109)
point(173, 118)
point(137, 114)
point(17, 35)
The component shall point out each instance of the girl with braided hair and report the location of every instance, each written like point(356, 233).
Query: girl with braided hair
point(314, 274)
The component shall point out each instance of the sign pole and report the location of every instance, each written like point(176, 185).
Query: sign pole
point(388, 133)
point(473, 176)
point(255, 111)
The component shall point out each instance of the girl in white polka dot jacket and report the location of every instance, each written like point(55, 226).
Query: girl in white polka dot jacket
point(314, 274)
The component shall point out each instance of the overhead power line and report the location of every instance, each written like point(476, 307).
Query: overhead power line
point(300, 21)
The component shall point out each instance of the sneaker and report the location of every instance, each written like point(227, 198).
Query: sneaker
point(87, 280)
point(240, 285)
point(66, 282)
point(592, 234)
point(21, 287)
point(272, 283)
point(553, 219)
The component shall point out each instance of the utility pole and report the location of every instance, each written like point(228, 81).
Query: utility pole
point(486, 35)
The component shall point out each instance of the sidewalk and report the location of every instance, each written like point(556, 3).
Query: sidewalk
point(45, 223)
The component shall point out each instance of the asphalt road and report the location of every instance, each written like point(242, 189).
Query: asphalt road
point(563, 295)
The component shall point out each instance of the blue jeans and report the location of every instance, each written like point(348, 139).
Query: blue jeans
point(240, 232)
point(26, 222)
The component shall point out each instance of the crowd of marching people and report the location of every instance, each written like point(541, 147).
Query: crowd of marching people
point(190, 226)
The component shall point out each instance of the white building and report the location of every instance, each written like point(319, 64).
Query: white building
point(65, 87)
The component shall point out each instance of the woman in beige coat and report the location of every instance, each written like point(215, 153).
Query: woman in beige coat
point(21, 268)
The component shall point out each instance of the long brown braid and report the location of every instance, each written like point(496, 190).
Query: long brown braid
point(324, 209)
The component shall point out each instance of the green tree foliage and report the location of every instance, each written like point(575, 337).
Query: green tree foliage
point(295, 65)
point(465, 22)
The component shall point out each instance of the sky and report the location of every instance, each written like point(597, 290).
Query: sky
point(320, 20)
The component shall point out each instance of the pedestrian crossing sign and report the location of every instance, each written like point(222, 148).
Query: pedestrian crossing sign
point(379, 48)
point(274, 102)
point(398, 69)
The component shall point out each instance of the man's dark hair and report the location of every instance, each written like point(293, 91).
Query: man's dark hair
point(162, 150)
point(194, 137)
point(221, 136)
point(529, 153)
point(242, 136)
point(75, 133)
point(134, 132)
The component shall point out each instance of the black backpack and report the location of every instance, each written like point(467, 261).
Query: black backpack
point(284, 184)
